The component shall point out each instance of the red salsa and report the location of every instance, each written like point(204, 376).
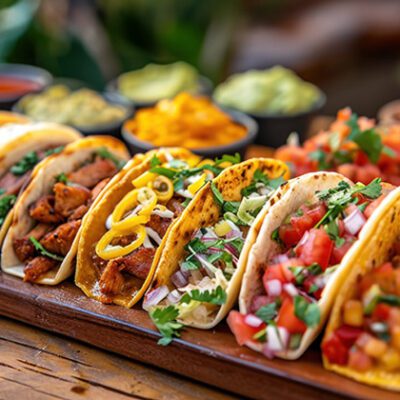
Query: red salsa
point(12, 86)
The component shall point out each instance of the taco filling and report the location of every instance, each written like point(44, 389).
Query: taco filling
point(58, 215)
point(369, 334)
point(124, 255)
point(16, 177)
point(198, 288)
point(312, 243)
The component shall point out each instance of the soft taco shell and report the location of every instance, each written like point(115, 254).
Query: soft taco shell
point(8, 117)
point(93, 228)
point(374, 250)
point(41, 183)
point(287, 200)
point(17, 140)
point(203, 212)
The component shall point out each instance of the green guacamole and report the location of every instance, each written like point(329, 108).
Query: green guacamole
point(155, 82)
point(276, 91)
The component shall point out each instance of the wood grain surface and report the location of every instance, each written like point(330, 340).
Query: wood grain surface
point(212, 356)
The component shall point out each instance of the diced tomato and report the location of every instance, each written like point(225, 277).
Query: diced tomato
point(381, 312)
point(361, 158)
point(335, 351)
point(348, 170)
point(289, 235)
point(287, 318)
point(373, 205)
point(243, 332)
point(316, 249)
point(348, 334)
point(359, 361)
point(307, 284)
point(344, 114)
point(339, 252)
point(302, 223)
point(281, 271)
point(367, 173)
point(340, 225)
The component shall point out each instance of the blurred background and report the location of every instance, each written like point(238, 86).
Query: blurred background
point(349, 48)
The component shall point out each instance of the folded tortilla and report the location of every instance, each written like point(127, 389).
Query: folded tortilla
point(375, 249)
point(287, 200)
point(94, 227)
point(8, 117)
point(204, 212)
point(41, 183)
point(16, 140)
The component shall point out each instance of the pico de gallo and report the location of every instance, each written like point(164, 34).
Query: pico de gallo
point(198, 288)
point(124, 254)
point(313, 241)
point(352, 146)
point(369, 334)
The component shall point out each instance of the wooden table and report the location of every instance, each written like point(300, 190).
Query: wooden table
point(37, 365)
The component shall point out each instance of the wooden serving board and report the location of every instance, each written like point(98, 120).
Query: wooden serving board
point(212, 357)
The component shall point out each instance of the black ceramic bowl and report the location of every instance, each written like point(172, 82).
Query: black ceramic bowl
point(39, 77)
point(273, 130)
point(205, 88)
point(113, 129)
point(138, 146)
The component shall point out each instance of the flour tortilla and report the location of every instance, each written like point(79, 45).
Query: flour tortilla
point(41, 183)
point(203, 212)
point(295, 193)
point(376, 249)
point(16, 140)
point(93, 228)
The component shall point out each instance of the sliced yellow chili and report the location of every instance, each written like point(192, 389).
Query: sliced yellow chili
point(163, 187)
point(206, 161)
point(195, 186)
point(144, 179)
point(108, 252)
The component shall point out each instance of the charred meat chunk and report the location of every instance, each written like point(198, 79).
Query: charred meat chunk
point(79, 213)
point(159, 224)
point(43, 210)
point(37, 267)
point(98, 188)
point(68, 198)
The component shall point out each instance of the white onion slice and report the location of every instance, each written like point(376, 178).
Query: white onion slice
point(354, 222)
point(153, 235)
point(174, 296)
point(108, 222)
point(290, 289)
point(277, 338)
point(279, 259)
point(253, 321)
point(163, 214)
point(147, 243)
point(274, 287)
point(155, 296)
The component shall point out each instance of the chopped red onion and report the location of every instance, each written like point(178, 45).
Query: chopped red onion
point(354, 222)
point(186, 273)
point(174, 297)
point(279, 259)
point(155, 296)
point(290, 289)
point(273, 287)
point(178, 279)
point(232, 249)
point(253, 321)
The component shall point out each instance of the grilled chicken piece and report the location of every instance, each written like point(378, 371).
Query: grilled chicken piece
point(24, 248)
point(60, 240)
point(79, 213)
point(43, 210)
point(69, 198)
point(159, 224)
point(37, 267)
point(137, 263)
point(91, 174)
point(98, 188)
point(175, 205)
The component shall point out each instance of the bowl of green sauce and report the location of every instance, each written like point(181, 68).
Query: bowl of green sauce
point(278, 99)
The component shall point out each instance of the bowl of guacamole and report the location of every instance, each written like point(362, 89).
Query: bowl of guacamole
point(144, 87)
point(277, 98)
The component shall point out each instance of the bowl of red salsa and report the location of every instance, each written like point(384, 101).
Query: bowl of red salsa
point(17, 80)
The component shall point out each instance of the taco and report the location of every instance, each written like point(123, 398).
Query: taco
point(8, 117)
point(41, 243)
point(362, 338)
point(303, 253)
point(21, 149)
point(125, 234)
point(199, 273)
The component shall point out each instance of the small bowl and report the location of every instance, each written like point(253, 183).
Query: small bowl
point(205, 88)
point(38, 76)
point(139, 146)
point(113, 129)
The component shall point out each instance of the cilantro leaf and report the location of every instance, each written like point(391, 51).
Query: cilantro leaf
point(25, 164)
point(267, 312)
point(38, 246)
point(56, 150)
point(103, 152)
point(216, 296)
point(165, 321)
point(307, 312)
point(373, 190)
point(62, 178)
point(217, 194)
point(154, 161)
point(6, 203)
point(169, 173)
point(228, 158)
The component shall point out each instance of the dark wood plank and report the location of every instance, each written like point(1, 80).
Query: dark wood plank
point(212, 357)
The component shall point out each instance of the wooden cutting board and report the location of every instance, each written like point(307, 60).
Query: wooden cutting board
point(211, 357)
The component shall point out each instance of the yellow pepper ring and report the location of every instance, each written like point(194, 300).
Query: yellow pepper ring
point(148, 199)
point(163, 188)
point(130, 222)
point(107, 252)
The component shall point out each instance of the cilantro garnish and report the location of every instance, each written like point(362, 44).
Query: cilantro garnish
point(313, 288)
point(43, 251)
point(216, 296)
point(6, 203)
point(332, 229)
point(275, 236)
point(260, 177)
point(307, 312)
point(154, 161)
point(228, 158)
point(169, 173)
point(165, 321)
point(217, 194)
point(103, 152)
point(56, 150)
point(62, 178)
point(25, 164)
point(267, 312)
point(321, 157)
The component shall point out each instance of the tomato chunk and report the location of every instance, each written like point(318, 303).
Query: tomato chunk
point(335, 351)
point(287, 318)
point(373, 206)
point(339, 252)
point(348, 334)
point(381, 312)
point(289, 235)
point(243, 332)
point(316, 249)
